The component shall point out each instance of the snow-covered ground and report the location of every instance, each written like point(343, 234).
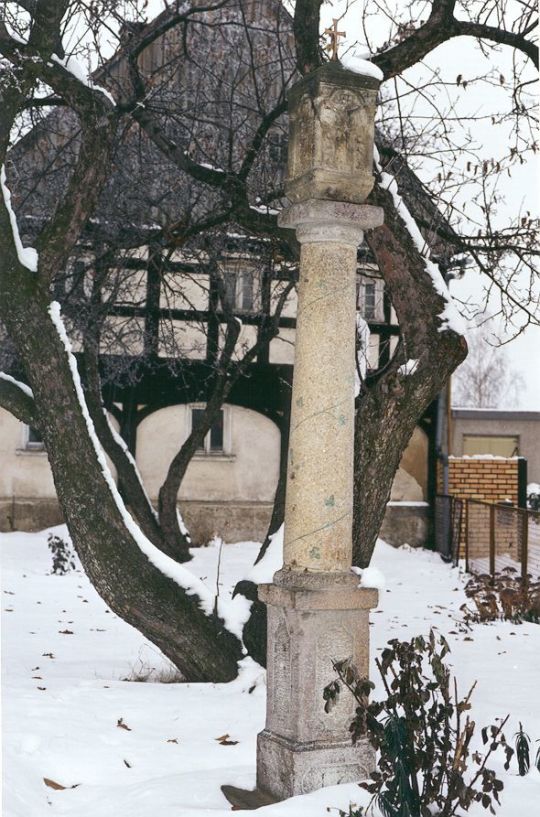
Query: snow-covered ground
point(66, 659)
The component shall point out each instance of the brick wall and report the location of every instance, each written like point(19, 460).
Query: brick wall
point(490, 479)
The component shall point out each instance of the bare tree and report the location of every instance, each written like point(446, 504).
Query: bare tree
point(213, 141)
point(486, 378)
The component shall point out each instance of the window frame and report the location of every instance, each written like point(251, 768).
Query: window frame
point(206, 452)
point(239, 274)
point(31, 446)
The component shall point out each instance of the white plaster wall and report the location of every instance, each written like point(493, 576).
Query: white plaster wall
point(248, 474)
point(290, 305)
point(410, 482)
point(22, 473)
point(25, 473)
point(182, 291)
point(282, 347)
point(182, 338)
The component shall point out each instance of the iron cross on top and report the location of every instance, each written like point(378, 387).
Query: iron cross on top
point(333, 34)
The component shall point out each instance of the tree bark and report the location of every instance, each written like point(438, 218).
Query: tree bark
point(389, 408)
point(278, 510)
point(128, 474)
point(124, 577)
point(17, 402)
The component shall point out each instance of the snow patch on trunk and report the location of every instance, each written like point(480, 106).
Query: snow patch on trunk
point(408, 368)
point(228, 611)
point(363, 335)
point(450, 317)
point(27, 256)
point(22, 386)
point(75, 68)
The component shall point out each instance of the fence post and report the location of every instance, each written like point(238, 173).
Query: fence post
point(525, 547)
point(466, 528)
point(492, 540)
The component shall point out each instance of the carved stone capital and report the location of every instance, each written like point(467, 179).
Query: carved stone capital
point(331, 130)
point(342, 222)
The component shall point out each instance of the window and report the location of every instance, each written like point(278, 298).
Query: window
point(369, 301)
point(369, 298)
point(33, 439)
point(240, 290)
point(217, 440)
point(277, 149)
point(498, 445)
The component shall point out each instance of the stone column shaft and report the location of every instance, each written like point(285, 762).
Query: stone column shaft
point(319, 499)
point(318, 515)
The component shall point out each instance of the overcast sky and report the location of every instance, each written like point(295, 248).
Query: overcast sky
point(521, 191)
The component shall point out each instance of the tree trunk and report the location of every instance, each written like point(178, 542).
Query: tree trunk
point(390, 408)
point(128, 474)
point(124, 577)
point(168, 494)
point(278, 510)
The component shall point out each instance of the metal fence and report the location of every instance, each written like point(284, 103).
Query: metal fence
point(490, 537)
point(448, 523)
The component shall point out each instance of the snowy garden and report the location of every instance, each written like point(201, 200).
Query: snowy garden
point(97, 723)
point(237, 224)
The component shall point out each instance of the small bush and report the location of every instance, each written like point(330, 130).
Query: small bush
point(143, 673)
point(523, 746)
point(422, 732)
point(63, 556)
point(352, 811)
point(502, 597)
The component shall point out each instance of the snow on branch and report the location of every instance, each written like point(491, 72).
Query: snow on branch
point(75, 68)
point(450, 317)
point(27, 256)
point(232, 612)
point(22, 386)
point(408, 368)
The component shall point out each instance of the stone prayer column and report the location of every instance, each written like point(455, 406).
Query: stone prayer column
point(316, 612)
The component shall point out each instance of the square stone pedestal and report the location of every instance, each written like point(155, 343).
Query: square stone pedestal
point(314, 620)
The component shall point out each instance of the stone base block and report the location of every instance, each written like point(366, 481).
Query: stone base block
point(314, 620)
point(286, 768)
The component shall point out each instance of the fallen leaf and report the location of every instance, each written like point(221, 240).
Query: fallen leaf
point(37, 677)
point(122, 725)
point(172, 740)
point(65, 632)
point(224, 740)
point(127, 764)
point(47, 655)
point(42, 689)
point(52, 784)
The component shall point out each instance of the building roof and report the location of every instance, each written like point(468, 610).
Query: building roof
point(494, 414)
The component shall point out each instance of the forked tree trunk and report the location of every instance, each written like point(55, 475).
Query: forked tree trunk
point(128, 475)
point(123, 576)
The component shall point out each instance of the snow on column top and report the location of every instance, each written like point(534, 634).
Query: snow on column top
point(360, 64)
